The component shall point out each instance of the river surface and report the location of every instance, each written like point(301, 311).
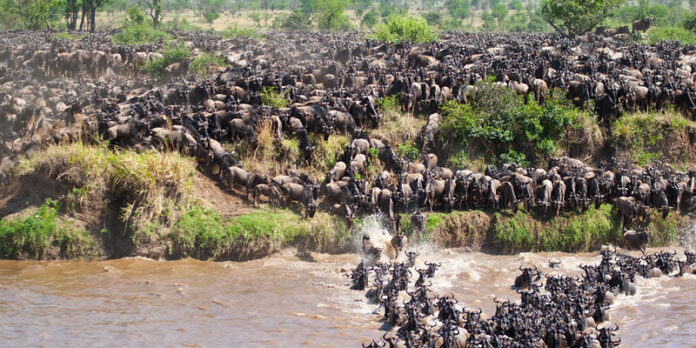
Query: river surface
point(280, 301)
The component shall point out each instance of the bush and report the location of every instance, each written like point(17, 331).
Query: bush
point(682, 35)
point(200, 64)
point(131, 33)
point(408, 151)
point(273, 98)
point(389, 104)
point(177, 24)
point(689, 21)
point(232, 32)
point(500, 120)
point(370, 18)
point(406, 28)
point(172, 54)
point(35, 235)
point(294, 21)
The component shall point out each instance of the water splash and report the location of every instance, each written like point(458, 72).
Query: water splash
point(687, 238)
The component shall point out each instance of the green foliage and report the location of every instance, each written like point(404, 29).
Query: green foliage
point(35, 235)
point(689, 21)
point(515, 157)
point(132, 33)
point(200, 232)
point(389, 104)
point(200, 64)
point(500, 121)
point(406, 28)
point(330, 14)
point(408, 151)
point(232, 32)
point(458, 8)
point(642, 134)
point(210, 10)
point(136, 15)
point(684, 36)
point(370, 18)
point(179, 24)
point(574, 232)
point(172, 53)
point(577, 16)
point(297, 20)
point(499, 12)
point(32, 14)
point(274, 98)
point(203, 234)
point(433, 18)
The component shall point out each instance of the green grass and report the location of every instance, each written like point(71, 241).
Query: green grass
point(573, 231)
point(152, 188)
point(675, 33)
point(200, 64)
point(233, 32)
point(172, 53)
point(643, 134)
point(203, 234)
point(44, 232)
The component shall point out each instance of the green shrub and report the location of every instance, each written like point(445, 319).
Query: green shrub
point(200, 64)
point(35, 235)
point(177, 24)
point(172, 53)
point(500, 121)
point(408, 151)
point(293, 21)
point(273, 98)
point(689, 21)
point(232, 32)
point(131, 33)
point(389, 104)
point(406, 28)
point(682, 35)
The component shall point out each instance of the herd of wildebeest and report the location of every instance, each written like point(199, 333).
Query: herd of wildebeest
point(560, 311)
point(56, 90)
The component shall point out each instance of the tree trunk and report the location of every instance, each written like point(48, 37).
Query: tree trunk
point(93, 11)
point(84, 11)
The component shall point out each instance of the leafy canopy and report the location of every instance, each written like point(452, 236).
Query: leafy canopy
point(406, 28)
point(577, 16)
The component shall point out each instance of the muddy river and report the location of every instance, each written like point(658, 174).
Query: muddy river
point(279, 301)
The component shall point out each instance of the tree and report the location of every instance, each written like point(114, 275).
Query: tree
point(256, 18)
point(458, 8)
point(34, 14)
point(210, 10)
point(330, 14)
point(577, 16)
point(499, 11)
point(154, 10)
point(370, 18)
point(433, 17)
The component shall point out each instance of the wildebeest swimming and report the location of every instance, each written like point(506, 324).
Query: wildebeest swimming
point(558, 311)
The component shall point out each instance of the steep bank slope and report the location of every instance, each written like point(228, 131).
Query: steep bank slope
point(80, 201)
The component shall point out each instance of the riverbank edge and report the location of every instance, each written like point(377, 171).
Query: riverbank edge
point(203, 234)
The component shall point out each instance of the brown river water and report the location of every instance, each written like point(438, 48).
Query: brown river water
point(280, 301)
